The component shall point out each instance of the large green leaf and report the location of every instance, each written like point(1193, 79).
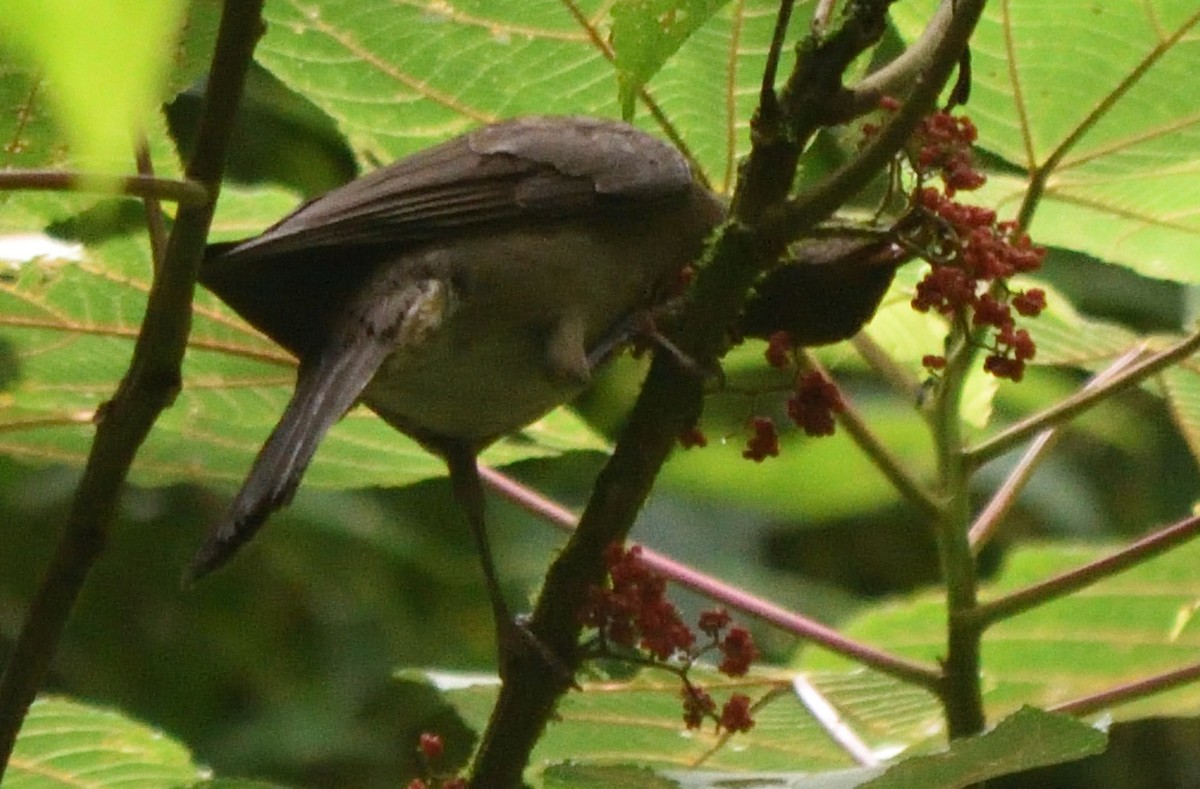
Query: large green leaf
point(65, 744)
point(398, 77)
point(99, 100)
point(1026, 739)
point(1117, 631)
point(640, 721)
point(1099, 98)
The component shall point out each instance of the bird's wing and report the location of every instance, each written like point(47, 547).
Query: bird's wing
point(325, 389)
point(531, 168)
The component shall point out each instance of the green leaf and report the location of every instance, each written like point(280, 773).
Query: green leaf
point(434, 70)
point(1181, 385)
point(1117, 631)
point(100, 100)
point(66, 744)
point(645, 33)
point(1097, 98)
point(586, 776)
point(639, 721)
point(1026, 739)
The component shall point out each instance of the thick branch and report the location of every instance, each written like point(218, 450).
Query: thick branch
point(149, 386)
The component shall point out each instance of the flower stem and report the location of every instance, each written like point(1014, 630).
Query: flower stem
point(961, 692)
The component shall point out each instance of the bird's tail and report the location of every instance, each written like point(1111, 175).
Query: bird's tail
point(325, 390)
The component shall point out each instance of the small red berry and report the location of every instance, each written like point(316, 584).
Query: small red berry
point(765, 441)
point(738, 652)
point(431, 746)
point(735, 715)
point(1030, 303)
point(713, 621)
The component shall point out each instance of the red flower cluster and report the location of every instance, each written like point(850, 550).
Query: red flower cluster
point(943, 143)
point(735, 715)
point(765, 441)
point(814, 401)
point(634, 609)
point(972, 255)
point(813, 404)
point(698, 706)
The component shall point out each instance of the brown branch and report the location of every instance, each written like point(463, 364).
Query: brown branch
point(1130, 691)
point(1078, 403)
point(149, 386)
point(188, 192)
point(1136, 553)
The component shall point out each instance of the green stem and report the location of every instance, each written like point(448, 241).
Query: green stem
point(961, 692)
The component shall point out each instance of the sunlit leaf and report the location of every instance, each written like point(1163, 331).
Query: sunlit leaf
point(1096, 98)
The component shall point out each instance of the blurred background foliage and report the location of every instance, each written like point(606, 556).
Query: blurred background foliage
point(284, 666)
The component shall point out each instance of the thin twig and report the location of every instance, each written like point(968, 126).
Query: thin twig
point(181, 192)
point(879, 360)
point(1130, 691)
point(155, 225)
point(990, 518)
point(1008, 606)
point(766, 93)
point(1075, 405)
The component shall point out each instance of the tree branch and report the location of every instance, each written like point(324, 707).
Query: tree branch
point(1136, 553)
point(149, 385)
point(186, 192)
point(998, 506)
point(1075, 405)
point(1130, 691)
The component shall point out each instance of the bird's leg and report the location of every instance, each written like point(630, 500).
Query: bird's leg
point(512, 639)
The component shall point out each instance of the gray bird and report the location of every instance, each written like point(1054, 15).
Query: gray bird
point(460, 293)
